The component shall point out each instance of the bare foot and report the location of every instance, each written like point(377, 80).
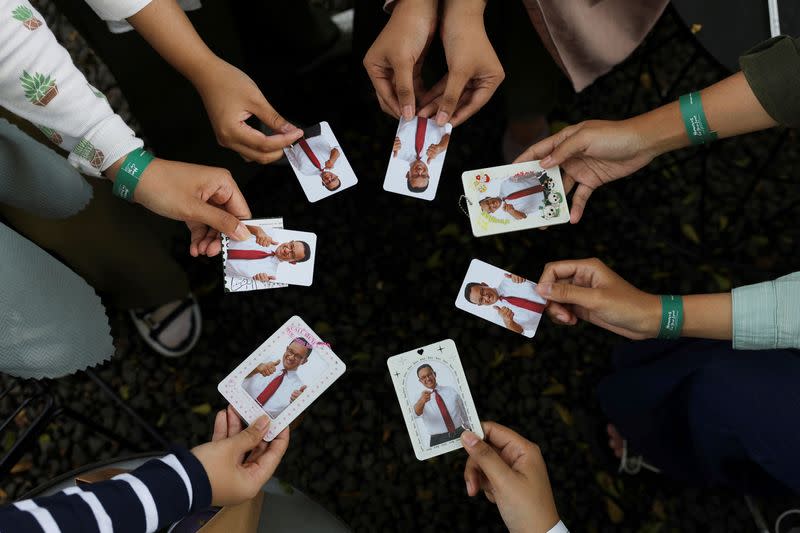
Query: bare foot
point(615, 440)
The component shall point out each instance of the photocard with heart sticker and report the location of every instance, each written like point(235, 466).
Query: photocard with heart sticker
point(514, 197)
point(269, 255)
point(417, 158)
point(501, 297)
point(319, 163)
point(283, 376)
point(434, 398)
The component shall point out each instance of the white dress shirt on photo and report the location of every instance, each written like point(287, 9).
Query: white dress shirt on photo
point(527, 204)
point(524, 317)
point(280, 400)
point(432, 416)
point(407, 132)
point(247, 268)
point(321, 148)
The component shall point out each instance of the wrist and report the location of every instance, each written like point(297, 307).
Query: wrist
point(651, 316)
point(660, 130)
point(111, 172)
point(207, 68)
point(416, 8)
point(463, 9)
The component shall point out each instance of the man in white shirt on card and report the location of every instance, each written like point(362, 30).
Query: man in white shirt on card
point(515, 299)
point(313, 155)
point(520, 196)
point(419, 141)
point(260, 256)
point(440, 407)
point(275, 384)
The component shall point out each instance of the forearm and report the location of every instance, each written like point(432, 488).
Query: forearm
point(730, 106)
point(513, 326)
point(466, 8)
point(418, 407)
point(334, 155)
point(707, 316)
point(164, 25)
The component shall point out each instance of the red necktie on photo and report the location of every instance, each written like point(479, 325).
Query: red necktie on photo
point(524, 192)
point(310, 153)
point(248, 254)
point(270, 389)
point(524, 303)
point(445, 413)
point(419, 141)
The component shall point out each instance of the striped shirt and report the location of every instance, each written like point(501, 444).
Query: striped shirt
point(151, 497)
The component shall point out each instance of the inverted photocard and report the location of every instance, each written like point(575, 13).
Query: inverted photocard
point(434, 397)
point(501, 297)
point(514, 197)
point(417, 158)
point(283, 376)
point(319, 163)
point(269, 255)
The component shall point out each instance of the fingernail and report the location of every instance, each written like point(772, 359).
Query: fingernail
point(286, 128)
point(545, 289)
point(262, 423)
point(241, 233)
point(469, 487)
point(469, 438)
point(546, 162)
point(408, 112)
point(562, 318)
point(441, 118)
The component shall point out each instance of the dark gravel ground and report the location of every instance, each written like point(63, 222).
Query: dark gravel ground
point(386, 277)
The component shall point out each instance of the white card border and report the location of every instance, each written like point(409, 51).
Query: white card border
point(430, 194)
point(276, 223)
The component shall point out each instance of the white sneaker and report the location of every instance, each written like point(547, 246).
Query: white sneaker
point(171, 329)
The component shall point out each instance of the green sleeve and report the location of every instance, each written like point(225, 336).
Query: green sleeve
point(772, 69)
point(767, 315)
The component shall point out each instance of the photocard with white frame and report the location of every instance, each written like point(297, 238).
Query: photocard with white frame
point(283, 376)
point(417, 158)
point(233, 284)
point(501, 297)
point(514, 197)
point(320, 163)
point(434, 397)
point(270, 255)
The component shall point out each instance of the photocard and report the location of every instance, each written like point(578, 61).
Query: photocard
point(514, 197)
point(501, 297)
point(283, 376)
point(434, 397)
point(270, 255)
point(242, 284)
point(319, 163)
point(417, 158)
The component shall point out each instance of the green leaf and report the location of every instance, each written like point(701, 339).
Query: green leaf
point(556, 389)
point(202, 409)
point(564, 414)
point(615, 513)
point(690, 233)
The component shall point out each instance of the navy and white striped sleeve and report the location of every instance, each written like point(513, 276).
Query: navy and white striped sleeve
point(154, 495)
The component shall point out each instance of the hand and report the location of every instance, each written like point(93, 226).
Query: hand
point(432, 151)
point(506, 314)
point(296, 394)
point(230, 98)
point(263, 277)
point(592, 154)
point(425, 397)
point(394, 61)
point(236, 476)
point(512, 474)
point(206, 198)
point(508, 208)
point(474, 71)
point(515, 279)
point(329, 164)
point(262, 239)
point(396, 146)
point(267, 369)
point(587, 289)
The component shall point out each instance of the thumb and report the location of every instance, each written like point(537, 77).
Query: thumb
point(404, 87)
point(568, 293)
point(220, 220)
point(493, 467)
point(248, 439)
point(507, 275)
point(267, 114)
point(302, 388)
point(452, 94)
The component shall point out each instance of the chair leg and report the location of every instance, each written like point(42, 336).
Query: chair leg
point(99, 428)
point(31, 433)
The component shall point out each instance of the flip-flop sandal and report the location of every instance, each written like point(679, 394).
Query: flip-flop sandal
point(155, 328)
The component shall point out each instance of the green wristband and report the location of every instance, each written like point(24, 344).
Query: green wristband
point(694, 119)
point(671, 317)
point(130, 172)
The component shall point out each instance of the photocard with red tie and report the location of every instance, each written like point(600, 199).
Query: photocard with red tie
point(434, 397)
point(283, 376)
point(319, 163)
point(501, 297)
point(514, 197)
point(271, 255)
point(417, 158)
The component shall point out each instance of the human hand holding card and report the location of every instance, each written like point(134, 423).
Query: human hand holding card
point(514, 197)
point(319, 163)
point(434, 397)
point(283, 376)
point(503, 298)
point(270, 256)
point(417, 158)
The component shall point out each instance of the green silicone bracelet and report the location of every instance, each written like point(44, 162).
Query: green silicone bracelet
point(671, 317)
point(694, 119)
point(130, 172)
